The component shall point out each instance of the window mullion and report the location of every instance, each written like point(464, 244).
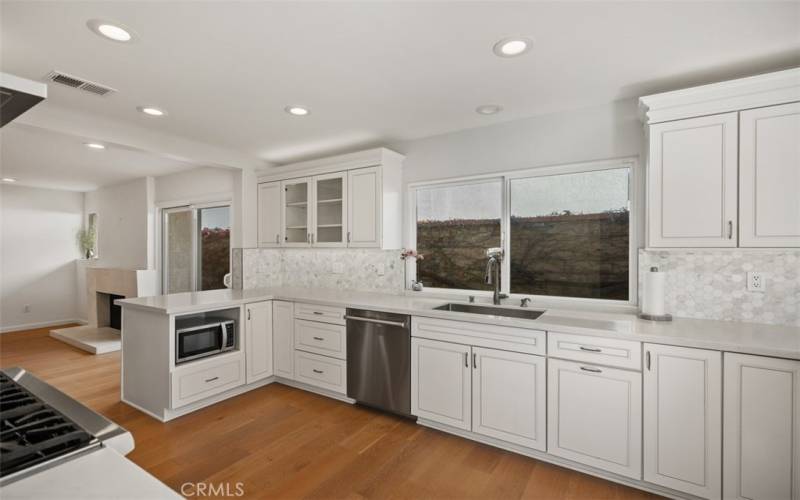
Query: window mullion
point(505, 231)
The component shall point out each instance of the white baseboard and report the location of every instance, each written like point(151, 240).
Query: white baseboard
point(42, 324)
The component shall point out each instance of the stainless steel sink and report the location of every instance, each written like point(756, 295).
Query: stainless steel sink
point(490, 311)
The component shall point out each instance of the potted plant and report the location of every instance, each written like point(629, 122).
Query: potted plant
point(86, 241)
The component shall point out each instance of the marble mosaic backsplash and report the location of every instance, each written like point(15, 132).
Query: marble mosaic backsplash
point(711, 284)
point(353, 269)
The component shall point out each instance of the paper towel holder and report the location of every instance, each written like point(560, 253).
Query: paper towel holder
point(655, 317)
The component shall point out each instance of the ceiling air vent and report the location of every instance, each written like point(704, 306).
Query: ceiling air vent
point(79, 83)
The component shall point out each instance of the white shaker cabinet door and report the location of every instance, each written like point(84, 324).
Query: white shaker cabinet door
point(441, 376)
point(509, 397)
point(283, 334)
point(761, 418)
point(683, 419)
point(364, 207)
point(258, 340)
point(594, 416)
point(692, 182)
point(769, 176)
point(269, 214)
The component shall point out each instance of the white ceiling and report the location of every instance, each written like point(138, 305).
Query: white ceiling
point(378, 72)
point(42, 158)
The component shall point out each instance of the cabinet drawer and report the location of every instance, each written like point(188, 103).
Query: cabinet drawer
point(206, 378)
point(596, 350)
point(320, 338)
point(321, 371)
point(325, 314)
point(505, 338)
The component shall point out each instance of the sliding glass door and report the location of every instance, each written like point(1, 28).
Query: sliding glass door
point(196, 243)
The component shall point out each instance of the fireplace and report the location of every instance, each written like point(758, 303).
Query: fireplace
point(104, 286)
point(108, 313)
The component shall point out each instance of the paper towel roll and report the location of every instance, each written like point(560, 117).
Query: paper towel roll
point(653, 293)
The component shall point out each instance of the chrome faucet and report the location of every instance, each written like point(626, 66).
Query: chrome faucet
point(492, 276)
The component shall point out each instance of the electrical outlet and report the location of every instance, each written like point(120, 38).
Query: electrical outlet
point(338, 268)
point(381, 270)
point(26, 308)
point(756, 282)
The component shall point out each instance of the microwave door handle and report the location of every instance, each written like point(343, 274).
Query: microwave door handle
point(224, 344)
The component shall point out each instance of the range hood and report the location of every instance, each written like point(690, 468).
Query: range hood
point(18, 95)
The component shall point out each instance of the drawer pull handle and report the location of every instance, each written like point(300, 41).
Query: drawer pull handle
point(590, 349)
point(317, 371)
point(319, 338)
point(318, 313)
point(211, 379)
point(593, 370)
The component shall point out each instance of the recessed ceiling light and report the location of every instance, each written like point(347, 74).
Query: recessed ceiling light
point(488, 109)
point(94, 145)
point(111, 30)
point(152, 111)
point(296, 110)
point(512, 46)
point(8, 179)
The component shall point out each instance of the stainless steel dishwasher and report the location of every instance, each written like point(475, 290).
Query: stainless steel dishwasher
point(379, 360)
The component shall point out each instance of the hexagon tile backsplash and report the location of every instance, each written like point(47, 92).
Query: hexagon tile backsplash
point(712, 284)
point(352, 269)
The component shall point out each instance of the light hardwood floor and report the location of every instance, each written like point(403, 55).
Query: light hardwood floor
point(282, 442)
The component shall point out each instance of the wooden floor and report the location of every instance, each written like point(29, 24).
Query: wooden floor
point(281, 442)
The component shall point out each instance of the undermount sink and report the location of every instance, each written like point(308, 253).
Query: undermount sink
point(490, 311)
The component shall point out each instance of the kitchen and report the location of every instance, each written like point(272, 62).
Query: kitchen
point(598, 299)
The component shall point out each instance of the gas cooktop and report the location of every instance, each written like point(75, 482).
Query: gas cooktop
point(40, 427)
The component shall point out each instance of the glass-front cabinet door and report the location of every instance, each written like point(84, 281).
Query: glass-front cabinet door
point(330, 215)
point(297, 214)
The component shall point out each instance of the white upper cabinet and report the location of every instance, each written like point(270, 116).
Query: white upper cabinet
point(692, 182)
point(683, 419)
point(330, 210)
point(364, 210)
point(269, 214)
point(761, 418)
point(345, 201)
point(297, 215)
point(769, 176)
point(724, 163)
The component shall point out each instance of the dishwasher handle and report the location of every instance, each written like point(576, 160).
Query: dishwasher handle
point(401, 324)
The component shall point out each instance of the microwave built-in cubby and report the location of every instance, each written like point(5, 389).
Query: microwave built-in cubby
point(204, 334)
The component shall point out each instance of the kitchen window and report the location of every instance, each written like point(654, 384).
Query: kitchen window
point(566, 231)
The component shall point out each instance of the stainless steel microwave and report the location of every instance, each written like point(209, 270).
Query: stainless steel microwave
point(202, 337)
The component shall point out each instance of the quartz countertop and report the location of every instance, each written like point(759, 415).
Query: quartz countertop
point(749, 338)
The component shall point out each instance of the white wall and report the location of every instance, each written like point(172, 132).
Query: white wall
point(191, 185)
point(38, 252)
point(126, 217)
point(609, 131)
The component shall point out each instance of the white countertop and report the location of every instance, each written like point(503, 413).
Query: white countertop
point(750, 338)
point(102, 474)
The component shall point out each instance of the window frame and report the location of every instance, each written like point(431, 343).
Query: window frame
point(193, 205)
point(634, 230)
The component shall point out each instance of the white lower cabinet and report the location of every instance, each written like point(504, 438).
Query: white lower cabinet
point(441, 382)
point(207, 377)
point(283, 338)
point(509, 391)
point(683, 419)
point(321, 371)
point(258, 340)
point(595, 416)
point(761, 418)
point(495, 393)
